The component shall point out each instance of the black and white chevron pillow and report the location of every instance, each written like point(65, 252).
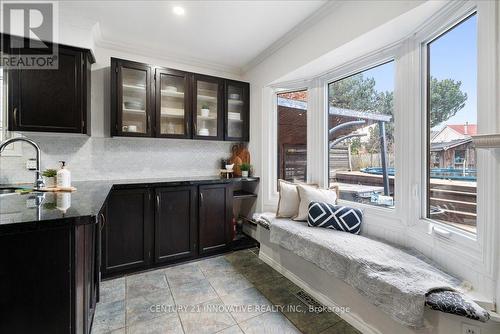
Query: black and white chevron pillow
point(337, 217)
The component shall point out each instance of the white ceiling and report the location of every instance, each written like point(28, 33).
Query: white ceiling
point(231, 34)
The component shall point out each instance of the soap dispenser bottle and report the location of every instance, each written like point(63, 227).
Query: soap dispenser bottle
point(63, 176)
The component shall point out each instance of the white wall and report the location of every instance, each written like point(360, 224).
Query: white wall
point(347, 21)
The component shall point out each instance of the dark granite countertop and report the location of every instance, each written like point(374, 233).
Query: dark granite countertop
point(20, 212)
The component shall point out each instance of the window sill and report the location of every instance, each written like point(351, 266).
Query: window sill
point(451, 237)
point(370, 209)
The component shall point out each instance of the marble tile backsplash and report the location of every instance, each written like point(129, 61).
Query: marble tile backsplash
point(91, 158)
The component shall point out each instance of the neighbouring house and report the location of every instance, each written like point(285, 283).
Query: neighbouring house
point(452, 147)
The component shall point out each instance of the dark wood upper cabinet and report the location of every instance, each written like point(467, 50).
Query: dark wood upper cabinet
point(152, 101)
point(208, 97)
point(128, 230)
point(173, 103)
point(215, 214)
point(237, 111)
point(52, 100)
point(176, 236)
point(131, 99)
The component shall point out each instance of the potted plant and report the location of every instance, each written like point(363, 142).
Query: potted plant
point(245, 168)
point(205, 110)
point(49, 177)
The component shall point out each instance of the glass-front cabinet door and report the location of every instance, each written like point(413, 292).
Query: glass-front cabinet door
point(236, 111)
point(133, 88)
point(207, 107)
point(173, 111)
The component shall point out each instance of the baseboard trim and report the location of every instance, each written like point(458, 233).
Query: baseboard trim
point(351, 318)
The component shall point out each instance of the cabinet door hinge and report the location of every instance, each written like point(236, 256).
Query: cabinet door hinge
point(116, 69)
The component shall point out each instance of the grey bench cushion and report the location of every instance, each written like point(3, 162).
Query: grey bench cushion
point(391, 278)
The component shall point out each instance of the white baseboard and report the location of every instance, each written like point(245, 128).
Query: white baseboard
point(352, 318)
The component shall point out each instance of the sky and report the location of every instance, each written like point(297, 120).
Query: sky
point(452, 56)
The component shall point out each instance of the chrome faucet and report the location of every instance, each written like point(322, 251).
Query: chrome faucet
point(38, 177)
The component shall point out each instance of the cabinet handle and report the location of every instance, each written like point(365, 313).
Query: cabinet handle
point(103, 220)
point(158, 202)
point(15, 116)
point(148, 122)
point(201, 199)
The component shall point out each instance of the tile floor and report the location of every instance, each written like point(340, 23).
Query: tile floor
point(209, 296)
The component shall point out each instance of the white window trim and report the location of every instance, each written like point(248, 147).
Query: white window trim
point(479, 246)
point(479, 254)
point(380, 57)
point(270, 151)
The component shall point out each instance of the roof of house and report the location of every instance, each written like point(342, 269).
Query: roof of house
point(465, 129)
point(446, 145)
point(299, 96)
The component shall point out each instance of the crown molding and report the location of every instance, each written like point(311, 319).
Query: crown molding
point(159, 53)
point(305, 24)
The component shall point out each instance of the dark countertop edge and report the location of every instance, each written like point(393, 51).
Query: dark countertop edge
point(90, 218)
point(49, 224)
point(117, 184)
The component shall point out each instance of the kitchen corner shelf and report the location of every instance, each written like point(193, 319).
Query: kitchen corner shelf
point(242, 194)
point(487, 140)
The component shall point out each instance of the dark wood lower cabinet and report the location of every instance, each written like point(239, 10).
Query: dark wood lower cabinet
point(215, 214)
point(127, 236)
point(47, 284)
point(180, 223)
point(176, 236)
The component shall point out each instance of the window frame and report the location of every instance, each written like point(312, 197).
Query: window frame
point(476, 247)
point(425, 49)
point(270, 152)
point(385, 55)
point(375, 63)
point(279, 91)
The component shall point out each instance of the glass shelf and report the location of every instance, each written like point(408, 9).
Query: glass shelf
point(173, 113)
point(207, 108)
point(235, 111)
point(134, 95)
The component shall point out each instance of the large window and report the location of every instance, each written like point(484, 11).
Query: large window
point(292, 136)
point(451, 121)
point(361, 136)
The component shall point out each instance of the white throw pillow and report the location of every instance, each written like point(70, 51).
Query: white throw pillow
point(288, 204)
point(308, 195)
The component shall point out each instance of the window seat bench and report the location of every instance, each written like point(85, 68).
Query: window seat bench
point(396, 281)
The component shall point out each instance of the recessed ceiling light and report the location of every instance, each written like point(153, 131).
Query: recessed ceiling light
point(178, 10)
